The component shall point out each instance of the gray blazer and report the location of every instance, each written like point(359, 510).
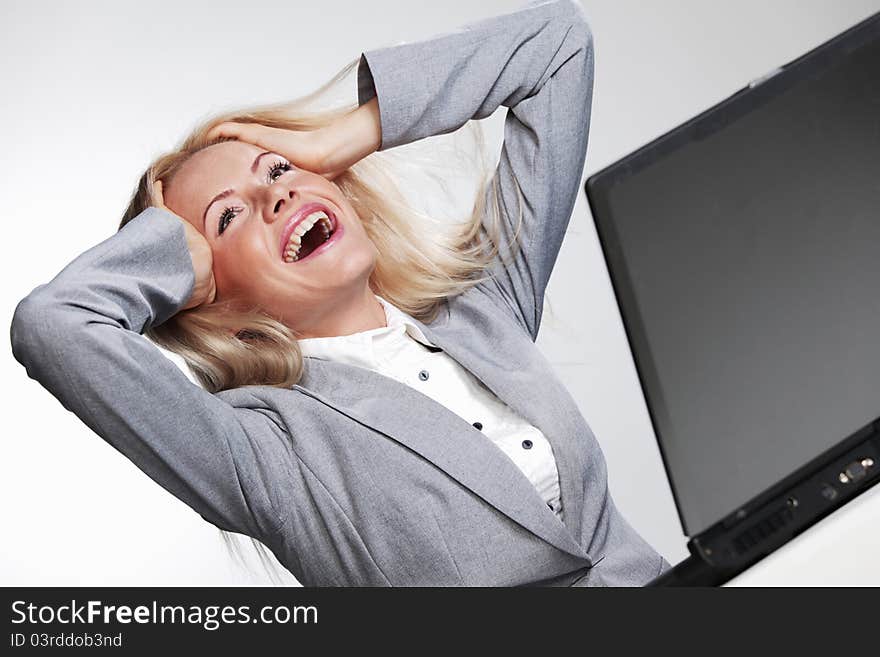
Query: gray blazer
point(350, 477)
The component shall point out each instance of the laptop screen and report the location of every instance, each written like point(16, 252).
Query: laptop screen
point(744, 248)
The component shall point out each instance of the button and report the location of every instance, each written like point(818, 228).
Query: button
point(478, 425)
point(423, 375)
point(829, 492)
point(856, 470)
point(527, 444)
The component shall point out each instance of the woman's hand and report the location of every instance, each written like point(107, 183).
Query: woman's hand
point(205, 289)
point(327, 151)
point(304, 149)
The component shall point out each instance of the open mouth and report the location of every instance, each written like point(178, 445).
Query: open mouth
point(312, 236)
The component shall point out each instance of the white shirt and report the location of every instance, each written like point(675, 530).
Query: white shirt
point(402, 352)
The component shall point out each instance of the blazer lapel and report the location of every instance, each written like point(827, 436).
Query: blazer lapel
point(442, 437)
point(509, 364)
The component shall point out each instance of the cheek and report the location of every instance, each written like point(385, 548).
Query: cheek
point(240, 262)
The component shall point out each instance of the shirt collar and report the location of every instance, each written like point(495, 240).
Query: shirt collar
point(359, 348)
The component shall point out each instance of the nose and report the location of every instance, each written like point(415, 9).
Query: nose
point(279, 202)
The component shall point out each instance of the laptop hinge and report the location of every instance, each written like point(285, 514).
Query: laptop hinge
point(766, 523)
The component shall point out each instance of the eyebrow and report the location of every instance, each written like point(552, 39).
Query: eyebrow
point(228, 192)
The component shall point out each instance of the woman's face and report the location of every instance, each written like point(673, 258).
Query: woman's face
point(261, 193)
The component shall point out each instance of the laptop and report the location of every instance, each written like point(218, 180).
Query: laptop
point(743, 248)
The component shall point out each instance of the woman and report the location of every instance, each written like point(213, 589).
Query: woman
point(373, 408)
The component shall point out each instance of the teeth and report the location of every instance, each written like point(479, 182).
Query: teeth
point(295, 242)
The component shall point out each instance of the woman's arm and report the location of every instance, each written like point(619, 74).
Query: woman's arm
point(78, 336)
point(538, 62)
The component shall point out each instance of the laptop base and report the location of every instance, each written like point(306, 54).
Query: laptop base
point(771, 520)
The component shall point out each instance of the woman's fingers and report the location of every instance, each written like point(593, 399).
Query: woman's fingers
point(227, 129)
point(254, 133)
point(275, 140)
point(158, 198)
point(304, 149)
point(332, 175)
point(204, 287)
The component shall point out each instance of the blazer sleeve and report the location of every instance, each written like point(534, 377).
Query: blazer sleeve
point(537, 62)
point(80, 337)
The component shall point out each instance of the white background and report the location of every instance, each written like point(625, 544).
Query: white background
point(93, 90)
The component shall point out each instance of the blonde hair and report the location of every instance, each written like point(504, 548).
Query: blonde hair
point(422, 261)
point(419, 266)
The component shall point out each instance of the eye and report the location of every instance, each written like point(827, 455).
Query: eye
point(277, 169)
point(225, 218)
